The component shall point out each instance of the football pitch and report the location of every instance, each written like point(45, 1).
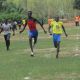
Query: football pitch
point(17, 64)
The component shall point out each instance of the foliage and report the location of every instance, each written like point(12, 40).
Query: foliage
point(41, 9)
point(14, 15)
point(2, 2)
point(10, 11)
point(47, 8)
point(77, 4)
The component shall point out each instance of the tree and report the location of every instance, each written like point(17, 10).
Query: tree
point(2, 4)
point(77, 4)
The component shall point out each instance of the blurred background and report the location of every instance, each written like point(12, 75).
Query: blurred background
point(41, 8)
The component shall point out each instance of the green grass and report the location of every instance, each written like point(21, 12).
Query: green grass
point(17, 64)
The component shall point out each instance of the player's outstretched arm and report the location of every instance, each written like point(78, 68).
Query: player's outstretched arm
point(64, 31)
point(41, 26)
point(24, 27)
point(49, 30)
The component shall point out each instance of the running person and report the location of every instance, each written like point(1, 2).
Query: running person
point(77, 20)
point(6, 27)
point(57, 28)
point(19, 22)
point(32, 32)
point(14, 26)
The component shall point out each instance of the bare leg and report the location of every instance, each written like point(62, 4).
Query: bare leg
point(58, 49)
point(31, 46)
point(35, 41)
point(55, 44)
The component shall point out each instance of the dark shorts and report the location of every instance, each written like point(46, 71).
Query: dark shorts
point(33, 33)
point(7, 36)
point(14, 27)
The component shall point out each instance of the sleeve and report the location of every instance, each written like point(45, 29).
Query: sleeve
point(61, 23)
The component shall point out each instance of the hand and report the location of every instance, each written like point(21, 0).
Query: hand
point(50, 34)
point(20, 32)
point(45, 31)
point(66, 35)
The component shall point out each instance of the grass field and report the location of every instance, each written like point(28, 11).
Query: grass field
point(17, 64)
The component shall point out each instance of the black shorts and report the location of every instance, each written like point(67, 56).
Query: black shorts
point(14, 27)
point(7, 36)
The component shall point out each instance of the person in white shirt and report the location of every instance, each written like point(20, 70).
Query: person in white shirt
point(6, 28)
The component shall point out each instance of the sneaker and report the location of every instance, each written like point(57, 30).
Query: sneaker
point(32, 54)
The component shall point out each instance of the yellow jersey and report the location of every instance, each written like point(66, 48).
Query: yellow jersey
point(57, 27)
point(23, 21)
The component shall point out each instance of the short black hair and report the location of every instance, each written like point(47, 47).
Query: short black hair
point(30, 12)
point(57, 18)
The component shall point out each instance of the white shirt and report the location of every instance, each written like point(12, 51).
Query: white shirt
point(6, 28)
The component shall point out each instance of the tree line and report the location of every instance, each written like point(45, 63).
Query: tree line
point(41, 9)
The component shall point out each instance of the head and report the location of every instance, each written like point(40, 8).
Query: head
point(57, 18)
point(6, 21)
point(29, 13)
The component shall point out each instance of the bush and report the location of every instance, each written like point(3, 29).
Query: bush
point(12, 16)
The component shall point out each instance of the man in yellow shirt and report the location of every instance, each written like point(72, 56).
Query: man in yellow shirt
point(57, 30)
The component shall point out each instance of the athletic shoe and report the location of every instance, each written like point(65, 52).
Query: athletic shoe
point(32, 54)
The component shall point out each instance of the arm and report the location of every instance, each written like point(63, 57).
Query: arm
point(1, 30)
point(41, 25)
point(24, 27)
point(49, 30)
point(64, 31)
